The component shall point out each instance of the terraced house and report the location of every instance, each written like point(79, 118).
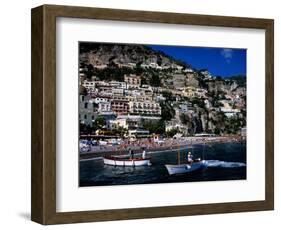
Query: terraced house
point(144, 108)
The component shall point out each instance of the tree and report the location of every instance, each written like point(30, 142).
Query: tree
point(159, 60)
point(157, 127)
point(198, 101)
point(168, 95)
point(184, 118)
point(167, 111)
point(121, 131)
point(85, 129)
point(217, 131)
point(143, 81)
point(172, 132)
point(155, 80)
point(138, 69)
point(234, 124)
point(99, 122)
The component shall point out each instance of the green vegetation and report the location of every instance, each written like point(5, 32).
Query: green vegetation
point(168, 95)
point(99, 122)
point(184, 119)
point(172, 132)
point(112, 73)
point(167, 111)
point(120, 131)
point(240, 80)
point(234, 124)
point(217, 131)
point(85, 129)
point(155, 80)
point(198, 101)
point(202, 82)
point(157, 127)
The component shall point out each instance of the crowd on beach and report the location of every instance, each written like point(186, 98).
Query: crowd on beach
point(151, 144)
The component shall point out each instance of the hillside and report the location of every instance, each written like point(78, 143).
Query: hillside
point(195, 99)
point(110, 54)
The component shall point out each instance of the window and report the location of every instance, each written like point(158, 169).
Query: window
point(86, 105)
point(85, 116)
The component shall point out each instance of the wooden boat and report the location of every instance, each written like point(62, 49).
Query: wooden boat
point(134, 162)
point(188, 167)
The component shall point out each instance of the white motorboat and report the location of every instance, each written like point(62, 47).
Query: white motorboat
point(116, 161)
point(186, 168)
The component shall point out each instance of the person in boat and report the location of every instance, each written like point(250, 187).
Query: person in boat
point(143, 153)
point(189, 158)
point(131, 153)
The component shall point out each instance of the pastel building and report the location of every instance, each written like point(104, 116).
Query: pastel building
point(133, 81)
point(86, 110)
point(144, 108)
point(120, 107)
point(104, 107)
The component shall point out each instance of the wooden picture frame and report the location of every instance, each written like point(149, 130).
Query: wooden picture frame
point(43, 208)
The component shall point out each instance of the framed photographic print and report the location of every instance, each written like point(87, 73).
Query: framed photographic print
point(147, 114)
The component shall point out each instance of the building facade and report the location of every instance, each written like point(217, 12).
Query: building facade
point(120, 107)
point(133, 81)
point(104, 107)
point(86, 110)
point(144, 108)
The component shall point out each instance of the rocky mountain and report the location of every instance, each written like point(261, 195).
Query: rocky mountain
point(108, 54)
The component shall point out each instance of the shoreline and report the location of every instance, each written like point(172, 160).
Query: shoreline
point(172, 145)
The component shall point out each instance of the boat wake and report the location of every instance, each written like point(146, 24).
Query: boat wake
point(224, 164)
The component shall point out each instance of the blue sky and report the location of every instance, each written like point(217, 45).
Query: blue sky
point(223, 62)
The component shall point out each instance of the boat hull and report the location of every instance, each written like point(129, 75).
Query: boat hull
point(186, 168)
point(127, 162)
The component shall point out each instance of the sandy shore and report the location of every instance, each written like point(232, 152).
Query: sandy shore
point(151, 147)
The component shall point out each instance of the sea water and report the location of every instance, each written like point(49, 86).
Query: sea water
point(226, 161)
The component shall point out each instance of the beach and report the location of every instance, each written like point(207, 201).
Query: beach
point(152, 146)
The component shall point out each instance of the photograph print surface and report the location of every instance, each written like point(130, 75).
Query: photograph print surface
point(160, 114)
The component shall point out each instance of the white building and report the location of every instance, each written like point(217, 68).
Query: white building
point(188, 70)
point(117, 91)
point(118, 84)
point(104, 107)
point(89, 84)
point(144, 108)
point(138, 133)
point(105, 90)
point(230, 112)
point(98, 100)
